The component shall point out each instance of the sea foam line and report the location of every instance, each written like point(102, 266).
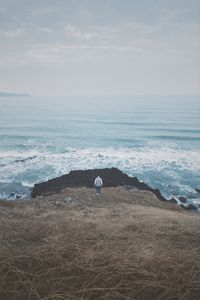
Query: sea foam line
point(135, 159)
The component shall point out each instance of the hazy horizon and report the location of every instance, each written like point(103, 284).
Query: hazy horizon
point(100, 48)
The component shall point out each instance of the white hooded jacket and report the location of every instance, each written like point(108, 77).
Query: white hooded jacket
point(98, 181)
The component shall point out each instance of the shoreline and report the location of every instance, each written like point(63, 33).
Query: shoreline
point(113, 177)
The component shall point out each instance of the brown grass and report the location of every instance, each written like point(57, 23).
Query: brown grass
point(110, 247)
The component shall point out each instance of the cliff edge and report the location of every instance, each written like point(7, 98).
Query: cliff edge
point(124, 244)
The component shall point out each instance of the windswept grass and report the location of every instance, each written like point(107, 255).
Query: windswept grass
point(98, 252)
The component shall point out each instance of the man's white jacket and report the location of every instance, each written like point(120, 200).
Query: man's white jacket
point(98, 181)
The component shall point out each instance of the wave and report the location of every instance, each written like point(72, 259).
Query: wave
point(146, 124)
point(19, 154)
point(175, 137)
point(24, 159)
point(14, 190)
point(125, 158)
point(173, 170)
point(27, 184)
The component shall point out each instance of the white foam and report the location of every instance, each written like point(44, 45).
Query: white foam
point(3, 196)
point(27, 184)
point(124, 158)
point(18, 154)
point(169, 162)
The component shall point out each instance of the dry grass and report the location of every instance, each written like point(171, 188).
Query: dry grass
point(99, 248)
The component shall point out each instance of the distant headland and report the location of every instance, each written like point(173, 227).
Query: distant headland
point(9, 94)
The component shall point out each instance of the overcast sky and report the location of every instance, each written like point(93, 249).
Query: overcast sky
point(99, 47)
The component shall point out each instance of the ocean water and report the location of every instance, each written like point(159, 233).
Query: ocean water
point(156, 139)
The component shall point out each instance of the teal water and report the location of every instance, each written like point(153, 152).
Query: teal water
point(156, 139)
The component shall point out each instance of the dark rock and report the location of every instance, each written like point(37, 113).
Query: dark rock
point(189, 207)
point(111, 178)
point(197, 190)
point(172, 200)
point(158, 194)
point(182, 199)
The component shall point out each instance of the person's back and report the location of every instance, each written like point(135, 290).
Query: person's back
point(98, 183)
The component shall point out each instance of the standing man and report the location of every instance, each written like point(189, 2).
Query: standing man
point(98, 183)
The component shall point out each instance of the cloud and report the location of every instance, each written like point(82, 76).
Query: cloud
point(3, 11)
point(10, 34)
point(43, 11)
point(45, 29)
point(133, 38)
point(77, 33)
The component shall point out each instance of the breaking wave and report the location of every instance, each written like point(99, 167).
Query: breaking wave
point(164, 167)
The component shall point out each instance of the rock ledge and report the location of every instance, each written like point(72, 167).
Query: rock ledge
point(111, 178)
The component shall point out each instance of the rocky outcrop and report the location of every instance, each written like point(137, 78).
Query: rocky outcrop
point(190, 206)
point(111, 178)
point(182, 199)
point(173, 200)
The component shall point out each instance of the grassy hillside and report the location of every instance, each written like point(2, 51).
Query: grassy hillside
point(125, 244)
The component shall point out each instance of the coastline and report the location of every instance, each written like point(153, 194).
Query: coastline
point(112, 177)
point(160, 149)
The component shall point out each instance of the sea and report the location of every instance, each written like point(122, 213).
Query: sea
point(156, 138)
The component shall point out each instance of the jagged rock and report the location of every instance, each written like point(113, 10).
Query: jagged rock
point(158, 194)
point(189, 207)
point(111, 178)
point(172, 200)
point(182, 199)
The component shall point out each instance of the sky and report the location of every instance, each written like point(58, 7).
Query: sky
point(100, 47)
